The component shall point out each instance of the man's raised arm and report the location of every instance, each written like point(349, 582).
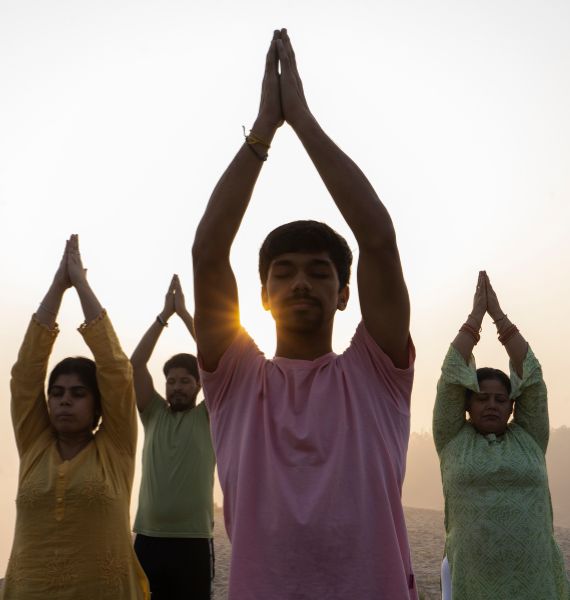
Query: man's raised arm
point(384, 300)
point(216, 316)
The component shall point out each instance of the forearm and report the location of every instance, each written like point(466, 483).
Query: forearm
point(468, 336)
point(49, 307)
point(351, 191)
point(189, 322)
point(229, 200)
point(515, 344)
point(89, 303)
point(145, 347)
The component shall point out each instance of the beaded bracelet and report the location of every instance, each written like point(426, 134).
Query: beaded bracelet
point(509, 332)
point(466, 328)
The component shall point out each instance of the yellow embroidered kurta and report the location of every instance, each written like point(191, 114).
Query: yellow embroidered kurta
point(72, 538)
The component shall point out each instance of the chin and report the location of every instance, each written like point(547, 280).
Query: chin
point(180, 406)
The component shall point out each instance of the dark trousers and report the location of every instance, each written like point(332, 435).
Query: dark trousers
point(177, 568)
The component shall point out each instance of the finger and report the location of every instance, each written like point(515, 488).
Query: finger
point(271, 62)
point(290, 52)
point(74, 244)
point(171, 285)
point(293, 62)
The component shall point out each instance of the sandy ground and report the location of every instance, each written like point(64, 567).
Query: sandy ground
point(425, 528)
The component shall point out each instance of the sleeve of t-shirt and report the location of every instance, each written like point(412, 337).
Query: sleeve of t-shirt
point(151, 408)
point(373, 362)
point(239, 362)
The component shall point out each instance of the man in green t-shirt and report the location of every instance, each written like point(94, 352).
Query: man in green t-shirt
point(174, 522)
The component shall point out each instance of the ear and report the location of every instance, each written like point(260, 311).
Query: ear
point(343, 296)
point(264, 298)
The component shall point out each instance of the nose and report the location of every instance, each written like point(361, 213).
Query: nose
point(301, 282)
point(65, 398)
point(493, 402)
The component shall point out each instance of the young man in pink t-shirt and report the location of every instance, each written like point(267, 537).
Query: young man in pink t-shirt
point(311, 446)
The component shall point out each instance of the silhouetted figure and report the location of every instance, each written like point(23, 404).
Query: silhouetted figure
point(311, 446)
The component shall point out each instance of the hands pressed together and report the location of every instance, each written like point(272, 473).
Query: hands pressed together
point(70, 272)
point(174, 301)
point(282, 95)
point(485, 301)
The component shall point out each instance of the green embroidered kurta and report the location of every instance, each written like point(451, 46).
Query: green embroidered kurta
point(498, 514)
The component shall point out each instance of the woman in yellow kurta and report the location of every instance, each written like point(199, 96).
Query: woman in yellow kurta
point(77, 451)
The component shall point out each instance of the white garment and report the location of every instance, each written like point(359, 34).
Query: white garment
point(445, 579)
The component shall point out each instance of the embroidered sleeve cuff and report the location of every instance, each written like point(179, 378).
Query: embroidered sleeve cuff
point(456, 371)
point(532, 374)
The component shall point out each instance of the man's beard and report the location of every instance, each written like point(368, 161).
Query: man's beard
point(181, 402)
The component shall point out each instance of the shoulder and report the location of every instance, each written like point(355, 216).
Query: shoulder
point(242, 354)
point(364, 353)
point(156, 406)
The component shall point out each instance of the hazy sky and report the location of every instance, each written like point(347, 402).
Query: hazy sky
point(117, 118)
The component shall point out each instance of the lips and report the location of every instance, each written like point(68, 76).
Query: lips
point(302, 302)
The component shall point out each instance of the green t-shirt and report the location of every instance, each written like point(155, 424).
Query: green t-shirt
point(176, 493)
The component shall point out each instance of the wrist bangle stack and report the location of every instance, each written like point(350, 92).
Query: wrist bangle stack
point(251, 140)
point(509, 332)
point(161, 321)
point(466, 328)
point(46, 309)
point(500, 319)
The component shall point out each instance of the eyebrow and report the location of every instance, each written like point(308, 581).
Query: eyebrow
point(314, 262)
point(71, 387)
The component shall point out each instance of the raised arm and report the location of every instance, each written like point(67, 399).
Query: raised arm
point(29, 410)
point(384, 300)
point(216, 315)
point(509, 335)
point(114, 371)
point(180, 307)
point(77, 275)
point(468, 334)
point(144, 386)
point(458, 373)
point(528, 387)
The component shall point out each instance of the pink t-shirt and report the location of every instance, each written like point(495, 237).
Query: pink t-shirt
point(311, 459)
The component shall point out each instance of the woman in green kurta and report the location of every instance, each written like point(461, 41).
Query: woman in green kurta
point(498, 515)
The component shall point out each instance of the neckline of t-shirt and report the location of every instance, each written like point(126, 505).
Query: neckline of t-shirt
point(303, 363)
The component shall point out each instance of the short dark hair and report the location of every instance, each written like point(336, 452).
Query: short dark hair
point(485, 373)
point(86, 370)
point(306, 236)
point(184, 361)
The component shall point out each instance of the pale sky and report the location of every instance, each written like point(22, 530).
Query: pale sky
point(117, 118)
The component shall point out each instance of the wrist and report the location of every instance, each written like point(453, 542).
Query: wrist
point(475, 320)
point(264, 128)
point(165, 315)
point(162, 320)
point(502, 324)
point(81, 285)
point(302, 119)
point(57, 287)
